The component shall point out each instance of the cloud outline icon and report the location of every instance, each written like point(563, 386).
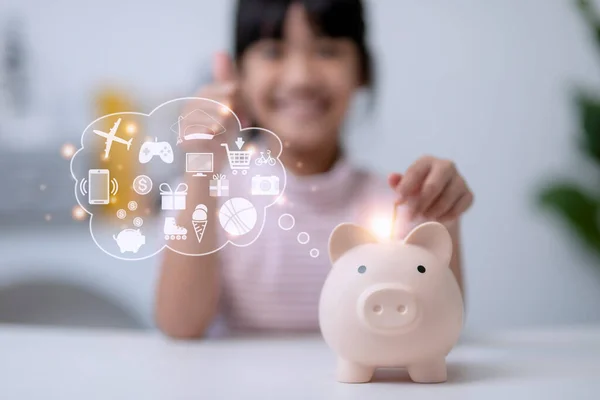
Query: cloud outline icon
point(156, 241)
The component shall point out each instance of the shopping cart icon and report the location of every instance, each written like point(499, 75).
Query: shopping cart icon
point(238, 160)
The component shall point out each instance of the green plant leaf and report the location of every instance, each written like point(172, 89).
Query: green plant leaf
point(589, 110)
point(577, 208)
point(590, 16)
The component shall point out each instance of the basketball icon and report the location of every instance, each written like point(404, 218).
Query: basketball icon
point(237, 216)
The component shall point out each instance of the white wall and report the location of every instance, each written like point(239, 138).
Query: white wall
point(486, 83)
point(483, 82)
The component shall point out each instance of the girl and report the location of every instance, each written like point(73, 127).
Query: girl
point(297, 65)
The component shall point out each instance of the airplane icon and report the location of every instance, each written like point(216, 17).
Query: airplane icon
point(110, 138)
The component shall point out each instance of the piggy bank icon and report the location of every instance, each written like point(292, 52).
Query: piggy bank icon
point(392, 304)
point(130, 240)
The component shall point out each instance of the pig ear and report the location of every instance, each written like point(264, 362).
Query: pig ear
point(434, 237)
point(347, 236)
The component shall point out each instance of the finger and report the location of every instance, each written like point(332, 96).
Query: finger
point(221, 92)
point(434, 186)
point(223, 70)
point(218, 92)
point(459, 207)
point(394, 179)
point(414, 177)
point(447, 199)
point(224, 94)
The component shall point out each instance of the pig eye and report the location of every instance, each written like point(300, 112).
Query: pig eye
point(421, 269)
point(362, 269)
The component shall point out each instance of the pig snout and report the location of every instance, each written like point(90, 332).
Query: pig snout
point(387, 308)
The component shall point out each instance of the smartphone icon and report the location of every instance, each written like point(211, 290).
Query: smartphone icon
point(99, 186)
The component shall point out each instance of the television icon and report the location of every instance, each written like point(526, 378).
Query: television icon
point(199, 163)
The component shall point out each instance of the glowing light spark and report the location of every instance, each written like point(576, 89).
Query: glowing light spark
point(113, 200)
point(43, 187)
point(286, 144)
point(131, 129)
point(224, 110)
point(67, 151)
point(78, 213)
point(299, 164)
point(251, 149)
point(313, 188)
point(120, 167)
point(48, 217)
point(281, 200)
point(381, 227)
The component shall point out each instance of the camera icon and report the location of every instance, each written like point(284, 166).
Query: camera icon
point(265, 185)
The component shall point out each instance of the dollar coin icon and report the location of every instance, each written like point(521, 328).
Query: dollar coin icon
point(142, 185)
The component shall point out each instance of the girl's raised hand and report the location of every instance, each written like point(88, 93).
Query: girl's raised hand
point(224, 90)
point(432, 188)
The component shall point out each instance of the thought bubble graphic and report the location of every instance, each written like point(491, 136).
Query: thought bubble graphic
point(185, 177)
point(287, 222)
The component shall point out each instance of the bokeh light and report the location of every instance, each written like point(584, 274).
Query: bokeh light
point(131, 128)
point(224, 110)
point(48, 217)
point(381, 227)
point(78, 213)
point(67, 151)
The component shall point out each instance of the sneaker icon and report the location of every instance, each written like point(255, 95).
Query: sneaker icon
point(172, 231)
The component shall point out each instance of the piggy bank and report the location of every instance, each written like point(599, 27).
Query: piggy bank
point(391, 304)
point(130, 240)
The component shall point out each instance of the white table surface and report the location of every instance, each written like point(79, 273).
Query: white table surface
point(44, 363)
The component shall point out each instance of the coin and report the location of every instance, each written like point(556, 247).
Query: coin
point(142, 185)
point(137, 222)
point(121, 214)
point(132, 205)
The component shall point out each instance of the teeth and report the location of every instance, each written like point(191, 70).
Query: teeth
point(302, 106)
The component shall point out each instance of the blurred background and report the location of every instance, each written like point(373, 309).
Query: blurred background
point(489, 84)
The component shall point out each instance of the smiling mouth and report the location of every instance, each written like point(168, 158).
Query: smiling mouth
point(302, 108)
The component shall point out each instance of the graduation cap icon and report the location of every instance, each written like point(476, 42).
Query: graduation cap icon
point(198, 124)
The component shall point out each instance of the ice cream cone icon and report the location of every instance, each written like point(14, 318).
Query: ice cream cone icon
point(199, 220)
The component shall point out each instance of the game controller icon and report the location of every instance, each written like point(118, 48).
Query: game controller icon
point(151, 149)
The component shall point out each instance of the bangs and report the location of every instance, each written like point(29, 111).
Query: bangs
point(264, 19)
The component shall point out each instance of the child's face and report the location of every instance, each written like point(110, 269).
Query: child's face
point(301, 86)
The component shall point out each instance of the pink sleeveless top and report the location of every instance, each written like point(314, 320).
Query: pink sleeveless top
point(274, 284)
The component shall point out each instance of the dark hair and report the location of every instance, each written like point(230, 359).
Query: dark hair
point(258, 19)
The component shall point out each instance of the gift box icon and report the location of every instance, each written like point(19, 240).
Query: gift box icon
point(219, 186)
point(173, 200)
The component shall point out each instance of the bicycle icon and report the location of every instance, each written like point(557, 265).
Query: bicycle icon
point(265, 160)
